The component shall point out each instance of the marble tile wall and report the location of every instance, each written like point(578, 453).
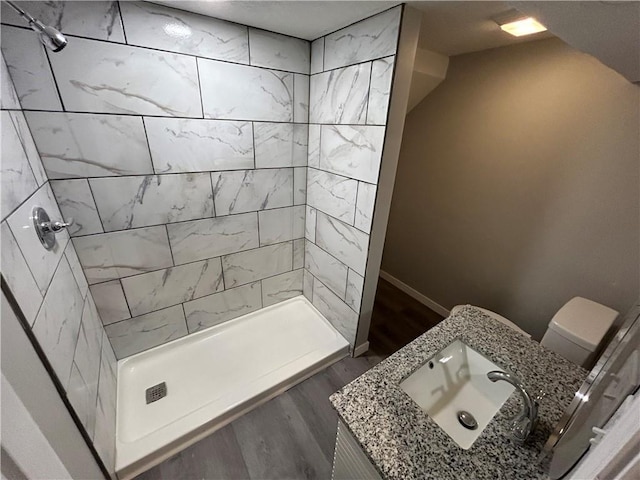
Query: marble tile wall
point(178, 143)
point(351, 75)
point(50, 287)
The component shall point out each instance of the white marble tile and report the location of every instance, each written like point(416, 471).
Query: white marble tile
point(355, 284)
point(240, 92)
point(250, 190)
point(310, 223)
point(58, 321)
point(313, 158)
point(340, 96)
point(246, 267)
point(42, 262)
point(220, 307)
point(105, 430)
point(352, 151)
point(372, 38)
point(107, 256)
point(111, 78)
point(301, 98)
point(29, 69)
point(317, 55)
point(307, 285)
point(76, 269)
point(332, 194)
point(8, 96)
point(130, 202)
point(281, 287)
point(90, 145)
point(18, 181)
point(79, 394)
point(380, 91)
point(146, 331)
point(200, 239)
point(76, 201)
point(326, 268)
point(185, 145)
point(346, 243)
point(88, 352)
point(18, 276)
point(94, 19)
point(365, 204)
point(281, 224)
point(110, 301)
point(335, 311)
point(298, 253)
point(299, 185)
point(24, 134)
point(157, 26)
point(280, 145)
point(272, 50)
point(163, 288)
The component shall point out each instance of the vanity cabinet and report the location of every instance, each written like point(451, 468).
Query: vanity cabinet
point(349, 461)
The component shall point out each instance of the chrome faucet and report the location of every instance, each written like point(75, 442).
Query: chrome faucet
point(524, 423)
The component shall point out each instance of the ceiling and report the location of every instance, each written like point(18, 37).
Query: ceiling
point(302, 19)
point(453, 27)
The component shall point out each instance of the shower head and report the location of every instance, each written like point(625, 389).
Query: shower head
point(49, 36)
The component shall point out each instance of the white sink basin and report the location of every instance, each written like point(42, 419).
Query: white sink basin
point(455, 380)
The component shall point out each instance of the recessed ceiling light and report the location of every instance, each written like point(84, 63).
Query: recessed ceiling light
point(523, 26)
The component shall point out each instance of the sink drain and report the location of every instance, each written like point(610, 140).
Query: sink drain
point(467, 420)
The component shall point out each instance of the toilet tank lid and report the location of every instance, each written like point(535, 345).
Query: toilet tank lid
point(583, 321)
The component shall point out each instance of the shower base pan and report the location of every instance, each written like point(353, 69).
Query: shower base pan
point(214, 376)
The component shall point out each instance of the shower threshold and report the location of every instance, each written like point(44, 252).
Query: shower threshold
point(214, 376)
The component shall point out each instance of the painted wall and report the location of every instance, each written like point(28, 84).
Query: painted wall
point(178, 142)
point(518, 185)
point(50, 286)
point(351, 75)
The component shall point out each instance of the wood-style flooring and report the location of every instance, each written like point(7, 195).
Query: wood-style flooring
point(293, 435)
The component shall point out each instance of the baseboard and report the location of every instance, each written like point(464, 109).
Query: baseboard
point(413, 293)
point(360, 349)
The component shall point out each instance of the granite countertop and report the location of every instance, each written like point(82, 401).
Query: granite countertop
point(402, 441)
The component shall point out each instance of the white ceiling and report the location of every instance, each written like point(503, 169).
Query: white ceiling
point(302, 19)
point(453, 27)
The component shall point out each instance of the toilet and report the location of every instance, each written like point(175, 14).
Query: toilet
point(575, 331)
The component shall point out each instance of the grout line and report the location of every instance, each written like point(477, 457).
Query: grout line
point(146, 137)
point(93, 197)
point(253, 142)
point(173, 260)
point(184, 117)
point(366, 116)
point(53, 77)
point(199, 87)
point(24, 148)
point(124, 32)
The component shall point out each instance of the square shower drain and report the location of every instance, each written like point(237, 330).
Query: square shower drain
point(155, 393)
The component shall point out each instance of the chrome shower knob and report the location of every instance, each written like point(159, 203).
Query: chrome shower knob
point(45, 228)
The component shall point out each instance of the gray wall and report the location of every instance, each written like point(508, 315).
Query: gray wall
point(518, 185)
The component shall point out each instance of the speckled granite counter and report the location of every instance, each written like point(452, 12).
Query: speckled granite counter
point(404, 443)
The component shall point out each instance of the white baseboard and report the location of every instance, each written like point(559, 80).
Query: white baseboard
point(360, 349)
point(413, 293)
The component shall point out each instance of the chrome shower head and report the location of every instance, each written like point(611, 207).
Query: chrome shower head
point(49, 36)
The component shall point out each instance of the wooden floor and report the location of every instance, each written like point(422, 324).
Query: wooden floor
point(293, 435)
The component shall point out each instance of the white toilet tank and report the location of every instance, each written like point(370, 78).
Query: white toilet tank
point(578, 328)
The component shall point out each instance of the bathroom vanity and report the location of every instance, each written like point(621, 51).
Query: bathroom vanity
point(384, 433)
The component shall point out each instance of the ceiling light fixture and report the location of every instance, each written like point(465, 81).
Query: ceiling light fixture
point(523, 26)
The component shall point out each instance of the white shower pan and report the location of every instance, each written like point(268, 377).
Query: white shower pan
point(214, 376)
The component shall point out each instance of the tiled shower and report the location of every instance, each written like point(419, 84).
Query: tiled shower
point(211, 169)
